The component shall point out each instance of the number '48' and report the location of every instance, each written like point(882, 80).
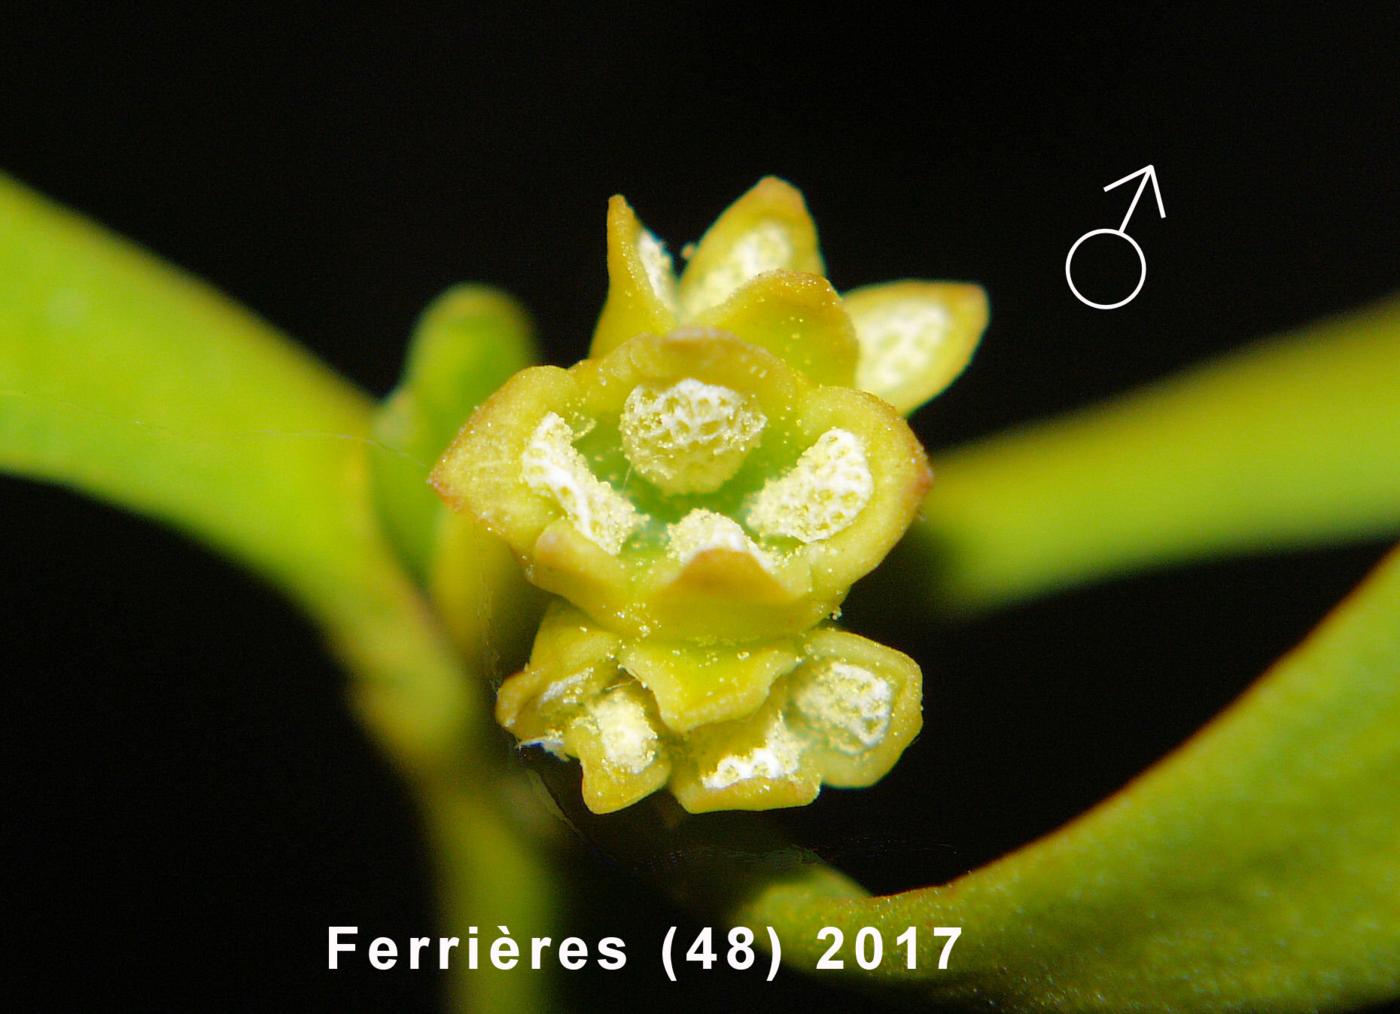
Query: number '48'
point(740, 956)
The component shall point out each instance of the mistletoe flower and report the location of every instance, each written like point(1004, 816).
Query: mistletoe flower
point(758, 273)
point(689, 485)
point(773, 722)
point(703, 490)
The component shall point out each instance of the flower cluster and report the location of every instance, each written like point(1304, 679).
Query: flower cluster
point(702, 492)
point(750, 726)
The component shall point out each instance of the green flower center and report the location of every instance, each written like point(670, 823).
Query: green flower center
point(687, 439)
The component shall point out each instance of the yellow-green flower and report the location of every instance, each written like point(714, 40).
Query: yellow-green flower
point(703, 490)
point(748, 726)
point(757, 273)
point(689, 485)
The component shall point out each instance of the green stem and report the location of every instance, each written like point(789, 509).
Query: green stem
point(123, 379)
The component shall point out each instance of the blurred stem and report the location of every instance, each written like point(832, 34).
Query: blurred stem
point(123, 379)
point(490, 875)
point(1292, 442)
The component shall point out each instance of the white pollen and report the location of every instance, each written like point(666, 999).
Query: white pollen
point(822, 495)
point(656, 262)
point(629, 741)
point(848, 705)
point(778, 756)
point(564, 688)
point(702, 529)
point(765, 247)
point(897, 341)
point(552, 466)
point(690, 437)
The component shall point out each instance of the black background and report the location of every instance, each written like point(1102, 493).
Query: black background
point(190, 804)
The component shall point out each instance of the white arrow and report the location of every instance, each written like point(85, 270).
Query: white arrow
point(1147, 173)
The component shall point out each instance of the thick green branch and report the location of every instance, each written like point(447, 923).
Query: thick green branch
point(126, 380)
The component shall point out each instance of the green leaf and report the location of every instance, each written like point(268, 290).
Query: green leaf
point(1258, 867)
point(1293, 442)
point(126, 380)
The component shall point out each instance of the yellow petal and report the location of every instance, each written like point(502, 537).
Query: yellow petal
point(840, 527)
point(696, 685)
point(567, 642)
point(572, 661)
point(857, 705)
point(616, 739)
point(756, 763)
point(727, 595)
point(798, 317)
point(481, 472)
point(768, 229)
point(714, 582)
point(641, 282)
point(567, 563)
point(704, 354)
point(915, 337)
